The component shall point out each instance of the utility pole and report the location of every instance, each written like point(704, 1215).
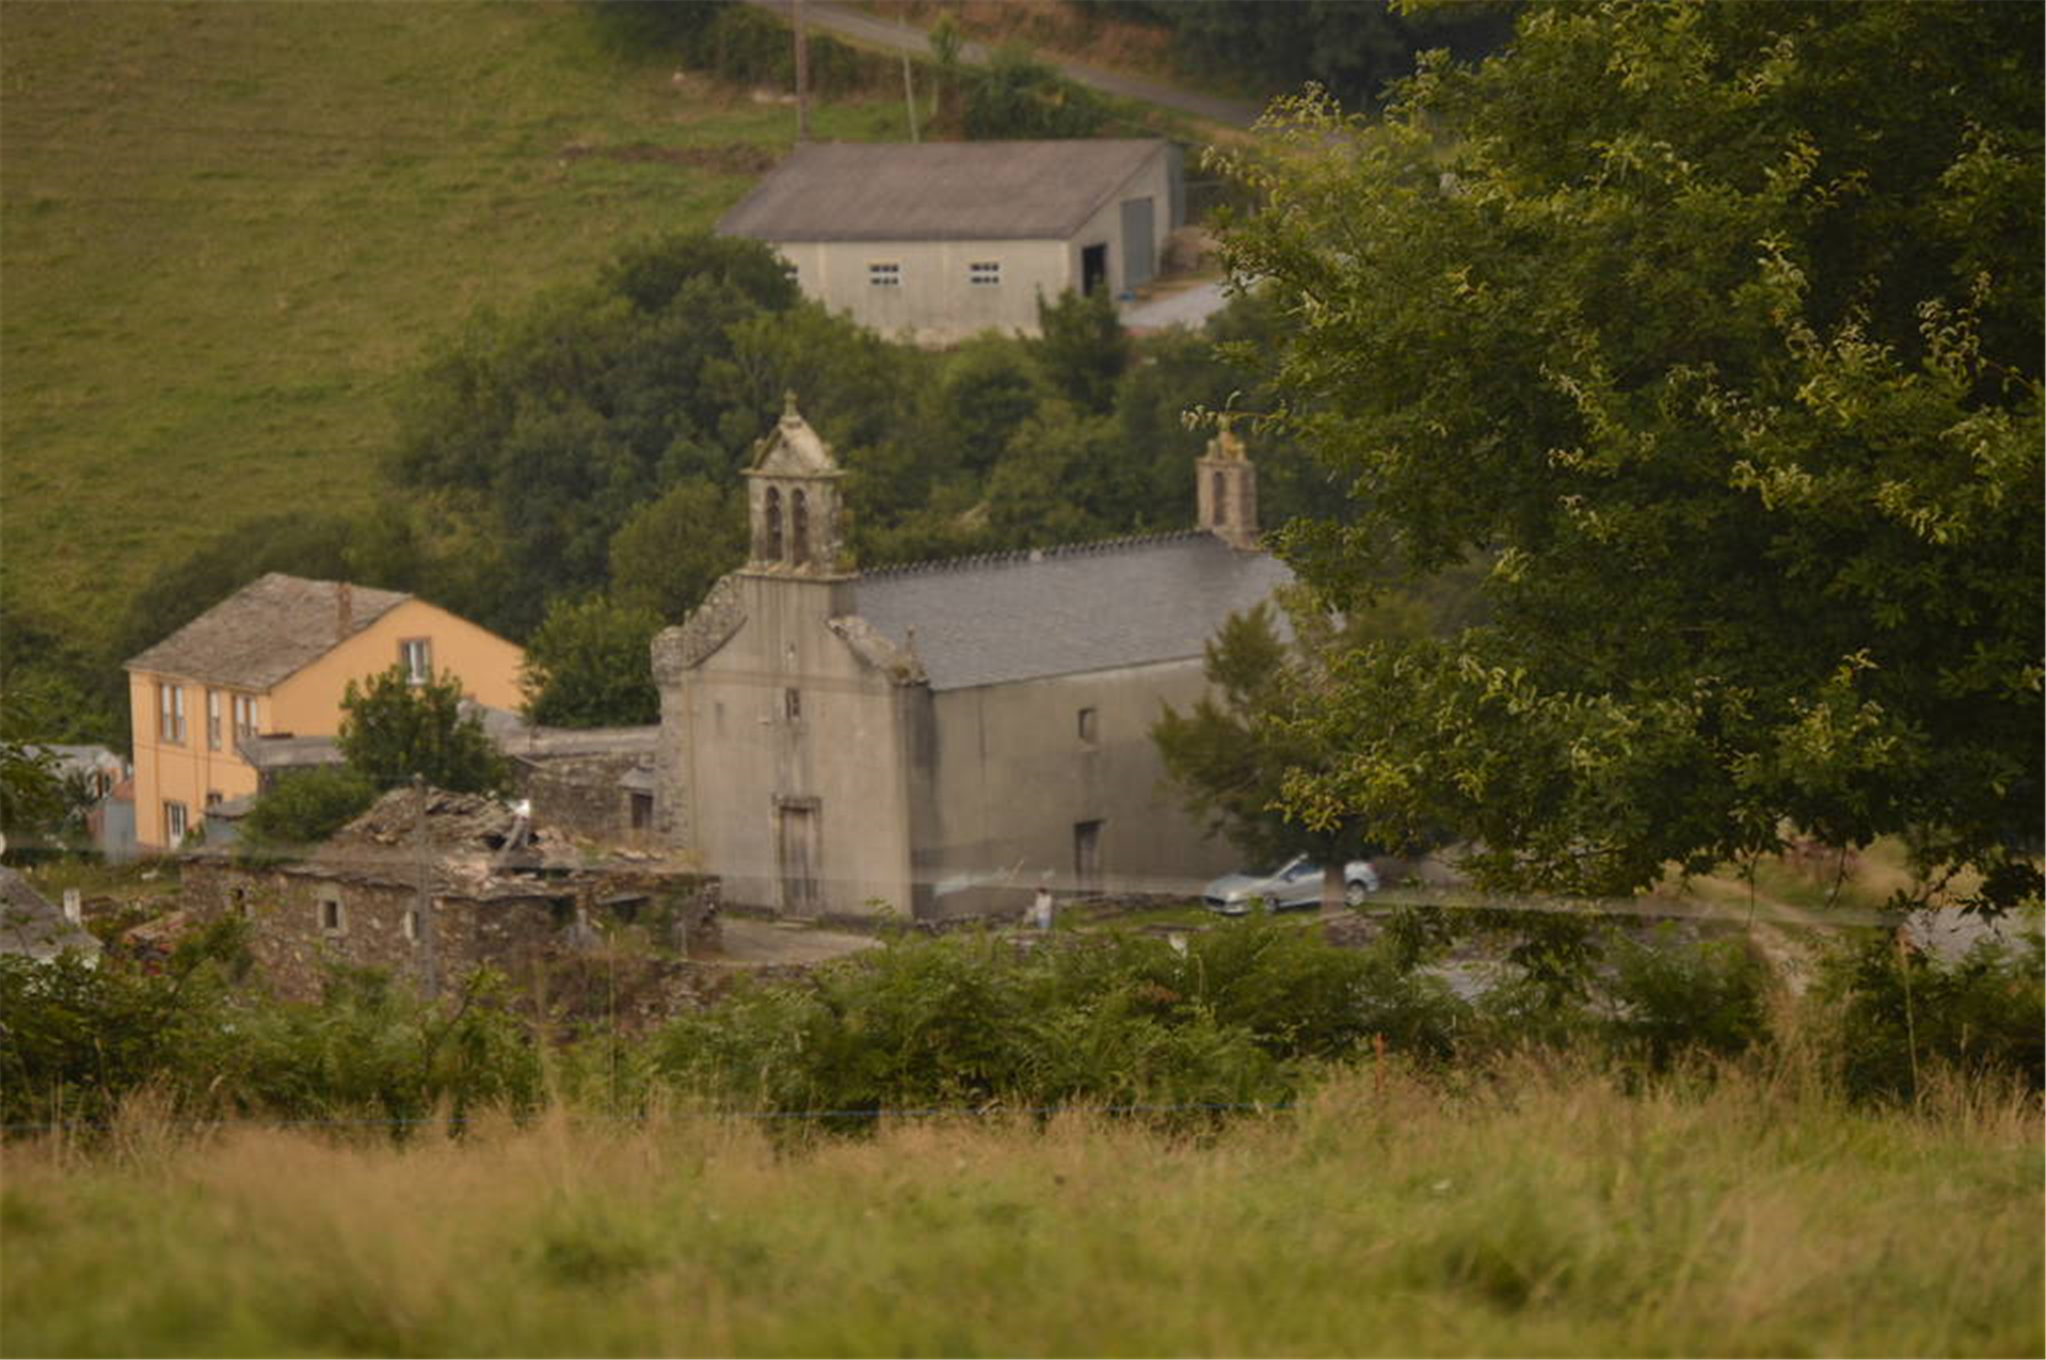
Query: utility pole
point(908, 85)
point(802, 76)
point(429, 955)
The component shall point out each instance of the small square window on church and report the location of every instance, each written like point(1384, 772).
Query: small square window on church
point(792, 704)
point(885, 275)
point(1088, 726)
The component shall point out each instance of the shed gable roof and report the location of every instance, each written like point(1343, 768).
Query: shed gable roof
point(268, 630)
point(937, 191)
point(1063, 611)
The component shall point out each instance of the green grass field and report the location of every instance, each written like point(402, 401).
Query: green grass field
point(228, 230)
point(1532, 1210)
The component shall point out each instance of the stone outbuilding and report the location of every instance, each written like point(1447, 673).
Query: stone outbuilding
point(935, 741)
point(940, 240)
point(430, 884)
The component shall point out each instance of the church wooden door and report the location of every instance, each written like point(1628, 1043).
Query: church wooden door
point(797, 858)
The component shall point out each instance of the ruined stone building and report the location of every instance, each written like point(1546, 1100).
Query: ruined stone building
point(937, 740)
point(429, 884)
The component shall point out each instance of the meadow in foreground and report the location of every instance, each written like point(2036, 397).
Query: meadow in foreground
point(1533, 1208)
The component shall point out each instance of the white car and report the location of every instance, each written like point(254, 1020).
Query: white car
point(1296, 883)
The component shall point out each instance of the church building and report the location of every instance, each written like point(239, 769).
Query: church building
point(937, 740)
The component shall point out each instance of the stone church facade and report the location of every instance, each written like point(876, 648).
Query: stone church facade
point(935, 741)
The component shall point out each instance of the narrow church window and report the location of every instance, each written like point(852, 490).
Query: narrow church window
point(792, 704)
point(772, 552)
point(1087, 726)
point(799, 527)
point(1219, 485)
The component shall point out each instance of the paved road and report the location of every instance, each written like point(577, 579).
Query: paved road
point(863, 27)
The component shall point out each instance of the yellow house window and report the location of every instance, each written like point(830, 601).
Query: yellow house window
point(416, 656)
point(170, 714)
point(213, 720)
point(244, 715)
point(173, 823)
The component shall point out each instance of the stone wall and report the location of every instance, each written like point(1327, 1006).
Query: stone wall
point(295, 934)
point(580, 795)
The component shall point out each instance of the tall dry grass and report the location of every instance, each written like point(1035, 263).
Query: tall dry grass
point(1531, 1208)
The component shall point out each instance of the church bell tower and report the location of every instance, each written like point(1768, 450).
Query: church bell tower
point(1225, 486)
point(793, 501)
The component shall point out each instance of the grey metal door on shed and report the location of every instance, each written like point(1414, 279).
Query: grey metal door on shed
point(1139, 246)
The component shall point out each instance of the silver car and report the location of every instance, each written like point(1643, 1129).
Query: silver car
point(1296, 883)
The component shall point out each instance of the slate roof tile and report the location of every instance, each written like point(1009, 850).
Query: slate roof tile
point(1061, 611)
point(266, 631)
point(936, 191)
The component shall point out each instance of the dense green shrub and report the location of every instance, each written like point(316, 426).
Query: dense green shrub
point(1019, 98)
point(1899, 1011)
point(304, 809)
point(1669, 998)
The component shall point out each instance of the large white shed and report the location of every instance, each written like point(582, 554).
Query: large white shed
point(934, 242)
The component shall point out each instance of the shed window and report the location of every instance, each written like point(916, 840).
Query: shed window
point(984, 273)
point(1089, 727)
point(885, 275)
point(332, 921)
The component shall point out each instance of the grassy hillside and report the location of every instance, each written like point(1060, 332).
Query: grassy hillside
point(1549, 1214)
point(227, 230)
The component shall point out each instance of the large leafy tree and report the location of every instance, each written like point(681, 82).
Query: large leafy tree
point(1719, 325)
point(586, 666)
point(393, 729)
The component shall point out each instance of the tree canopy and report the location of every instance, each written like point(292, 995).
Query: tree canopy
point(1718, 328)
point(393, 729)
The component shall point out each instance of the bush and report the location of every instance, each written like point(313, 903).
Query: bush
point(1899, 1011)
point(304, 809)
point(1019, 98)
point(1669, 998)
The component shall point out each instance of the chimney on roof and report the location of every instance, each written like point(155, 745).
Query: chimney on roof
point(1225, 489)
point(344, 610)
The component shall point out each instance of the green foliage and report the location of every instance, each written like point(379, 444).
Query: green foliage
point(667, 554)
point(1082, 347)
point(1019, 98)
point(663, 26)
point(1120, 1020)
point(1670, 999)
point(304, 809)
point(1900, 1013)
point(587, 666)
point(33, 803)
point(393, 729)
point(1720, 327)
point(78, 1040)
point(1232, 755)
point(1352, 48)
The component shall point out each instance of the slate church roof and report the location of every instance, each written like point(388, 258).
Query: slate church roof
point(269, 629)
point(1062, 611)
point(937, 191)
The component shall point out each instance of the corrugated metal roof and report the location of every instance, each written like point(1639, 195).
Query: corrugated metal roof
point(265, 631)
point(1063, 611)
point(938, 191)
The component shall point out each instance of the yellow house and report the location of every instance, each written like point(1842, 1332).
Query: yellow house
point(274, 658)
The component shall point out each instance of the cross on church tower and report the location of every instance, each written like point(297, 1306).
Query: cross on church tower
point(793, 500)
